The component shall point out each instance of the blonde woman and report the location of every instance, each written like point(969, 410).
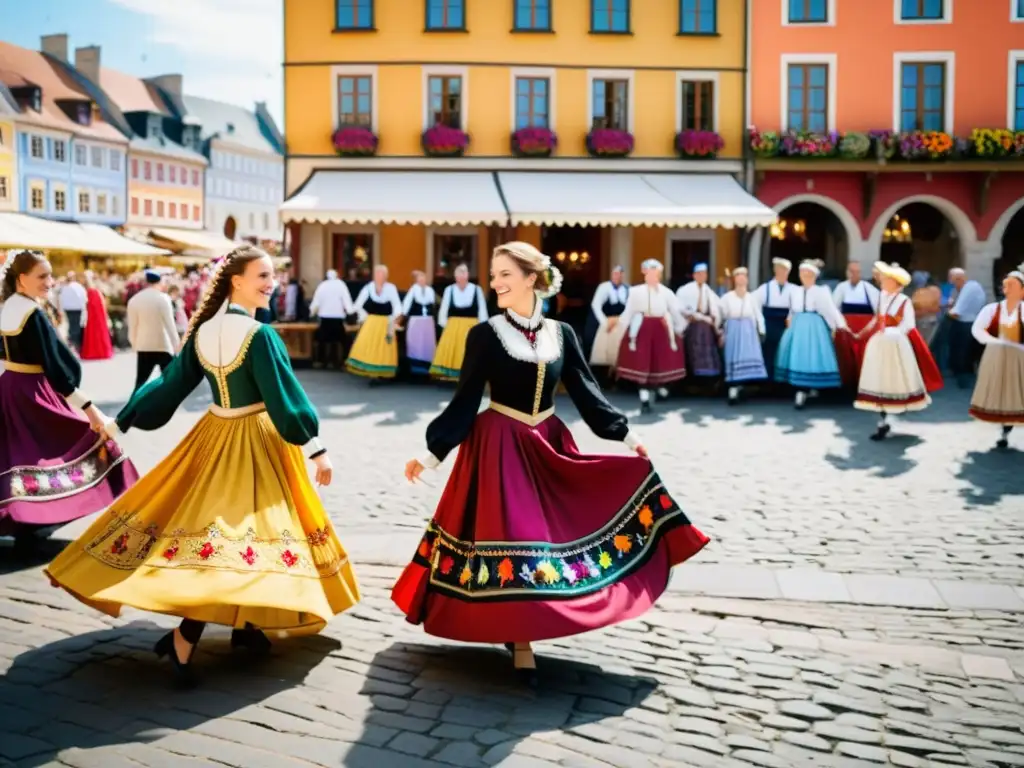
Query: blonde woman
point(418, 310)
point(375, 352)
point(463, 306)
point(533, 540)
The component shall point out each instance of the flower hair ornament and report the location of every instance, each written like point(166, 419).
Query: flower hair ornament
point(554, 275)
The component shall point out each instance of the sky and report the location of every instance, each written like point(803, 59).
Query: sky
point(229, 50)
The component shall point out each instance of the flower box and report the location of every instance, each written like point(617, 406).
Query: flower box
point(355, 142)
point(444, 141)
point(764, 143)
point(703, 145)
point(925, 145)
point(996, 143)
point(609, 142)
point(854, 145)
point(533, 142)
point(807, 144)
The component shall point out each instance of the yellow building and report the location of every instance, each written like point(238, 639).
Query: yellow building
point(485, 69)
point(8, 168)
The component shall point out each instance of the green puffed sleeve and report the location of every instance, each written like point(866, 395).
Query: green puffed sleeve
point(155, 403)
point(289, 408)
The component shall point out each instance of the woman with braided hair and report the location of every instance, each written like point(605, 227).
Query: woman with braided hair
point(227, 529)
point(54, 466)
point(533, 540)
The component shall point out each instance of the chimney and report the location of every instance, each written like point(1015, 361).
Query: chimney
point(169, 83)
point(87, 61)
point(55, 45)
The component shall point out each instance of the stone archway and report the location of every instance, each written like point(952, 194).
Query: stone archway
point(923, 233)
point(1010, 231)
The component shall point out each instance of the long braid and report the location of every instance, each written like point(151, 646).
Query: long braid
point(219, 289)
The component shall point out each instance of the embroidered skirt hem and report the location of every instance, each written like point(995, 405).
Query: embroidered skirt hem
point(744, 360)
point(890, 379)
point(807, 357)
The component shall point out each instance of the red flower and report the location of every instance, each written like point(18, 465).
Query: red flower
point(30, 483)
point(447, 563)
point(665, 501)
point(249, 556)
point(170, 552)
point(207, 550)
point(289, 558)
point(120, 544)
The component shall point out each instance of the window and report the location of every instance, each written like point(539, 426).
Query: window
point(135, 206)
point(446, 14)
point(266, 221)
point(685, 254)
point(5, 191)
point(923, 10)
point(451, 251)
point(159, 171)
point(147, 207)
point(532, 15)
point(922, 96)
point(83, 202)
point(1017, 10)
point(698, 17)
point(353, 255)
point(698, 105)
point(195, 213)
point(115, 206)
point(1018, 95)
point(807, 92)
point(172, 210)
point(173, 171)
point(532, 102)
point(808, 11)
point(147, 170)
point(609, 15)
point(60, 151)
point(160, 209)
point(355, 101)
point(82, 114)
point(81, 155)
point(115, 160)
point(611, 104)
point(101, 204)
point(38, 198)
point(60, 200)
point(195, 179)
point(135, 168)
point(445, 100)
point(97, 157)
point(252, 221)
point(37, 147)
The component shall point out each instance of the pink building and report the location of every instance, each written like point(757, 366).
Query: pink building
point(890, 129)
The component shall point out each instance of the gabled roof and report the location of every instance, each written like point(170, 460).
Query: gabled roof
point(229, 124)
point(31, 68)
point(132, 94)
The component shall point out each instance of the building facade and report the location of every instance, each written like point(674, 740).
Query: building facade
point(907, 149)
point(245, 176)
point(602, 135)
point(8, 154)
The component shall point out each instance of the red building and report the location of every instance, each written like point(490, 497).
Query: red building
point(890, 129)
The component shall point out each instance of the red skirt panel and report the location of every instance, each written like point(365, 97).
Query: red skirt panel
point(653, 362)
point(929, 370)
point(850, 350)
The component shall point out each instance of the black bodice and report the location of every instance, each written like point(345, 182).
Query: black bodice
point(613, 308)
point(417, 309)
point(25, 348)
point(514, 384)
point(37, 344)
point(471, 311)
point(373, 307)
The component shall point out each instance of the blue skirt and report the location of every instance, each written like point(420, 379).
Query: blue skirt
point(744, 360)
point(807, 356)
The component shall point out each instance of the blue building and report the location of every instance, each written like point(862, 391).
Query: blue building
point(71, 163)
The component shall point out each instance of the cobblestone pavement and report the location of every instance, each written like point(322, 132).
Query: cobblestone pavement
point(698, 681)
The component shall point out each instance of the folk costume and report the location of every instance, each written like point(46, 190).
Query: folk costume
point(461, 310)
point(858, 305)
point(603, 334)
point(898, 372)
point(999, 393)
point(744, 328)
point(53, 467)
point(96, 341)
point(332, 304)
point(375, 353)
point(701, 307)
point(806, 359)
point(533, 540)
point(775, 300)
point(418, 309)
point(651, 354)
point(228, 528)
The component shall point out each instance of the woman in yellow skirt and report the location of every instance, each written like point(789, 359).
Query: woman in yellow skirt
point(375, 352)
point(228, 528)
point(462, 307)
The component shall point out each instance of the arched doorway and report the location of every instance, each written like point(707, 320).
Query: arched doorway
point(807, 230)
point(230, 227)
point(921, 238)
point(1012, 253)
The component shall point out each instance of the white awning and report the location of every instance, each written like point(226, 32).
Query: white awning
point(397, 197)
point(631, 200)
point(198, 241)
point(18, 230)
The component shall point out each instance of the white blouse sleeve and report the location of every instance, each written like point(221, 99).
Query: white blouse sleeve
point(396, 303)
point(839, 294)
point(481, 305)
point(979, 329)
point(597, 303)
point(361, 299)
point(874, 296)
point(446, 302)
point(828, 308)
point(407, 302)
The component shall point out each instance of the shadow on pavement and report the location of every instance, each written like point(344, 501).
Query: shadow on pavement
point(42, 552)
point(887, 458)
point(108, 688)
point(992, 475)
point(473, 690)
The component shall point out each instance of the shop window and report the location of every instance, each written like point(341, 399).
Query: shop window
point(353, 255)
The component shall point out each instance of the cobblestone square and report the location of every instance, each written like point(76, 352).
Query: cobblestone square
point(860, 604)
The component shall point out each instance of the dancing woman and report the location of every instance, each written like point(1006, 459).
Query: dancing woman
point(227, 529)
point(744, 329)
point(54, 467)
point(375, 353)
point(418, 310)
point(999, 393)
point(533, 540)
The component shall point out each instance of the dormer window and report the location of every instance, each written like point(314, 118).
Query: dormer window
point(83, 114)
point(153, 129)
point(37, 100)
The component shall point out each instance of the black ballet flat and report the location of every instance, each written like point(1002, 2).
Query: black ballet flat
point(881, 433)
point(1002, 444)
point(182, 669)
point(645, 406)
point(251, 639)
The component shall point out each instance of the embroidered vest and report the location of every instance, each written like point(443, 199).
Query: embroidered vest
point(1007, 332)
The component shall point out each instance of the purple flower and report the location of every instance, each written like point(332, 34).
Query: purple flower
point(354, 140)
point(699, 143)
point(610, 142)
point(444, 140)
point(534, 141)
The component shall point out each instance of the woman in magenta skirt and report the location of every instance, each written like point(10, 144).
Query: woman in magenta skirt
point(54, 467)
point(533, 540)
